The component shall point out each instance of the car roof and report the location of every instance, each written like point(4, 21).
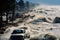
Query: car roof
point(18, 31)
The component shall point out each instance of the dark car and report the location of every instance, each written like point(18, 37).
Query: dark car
point(17, 34)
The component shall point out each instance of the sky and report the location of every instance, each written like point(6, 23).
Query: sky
point(49, 2)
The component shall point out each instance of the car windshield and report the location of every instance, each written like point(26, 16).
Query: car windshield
point(18, 31)
point(37, 21)
point(16, 37)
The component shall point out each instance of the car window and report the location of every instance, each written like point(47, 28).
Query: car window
point(18, 31)
point(17, 37)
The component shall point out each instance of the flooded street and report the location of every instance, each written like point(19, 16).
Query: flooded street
point(37, 23)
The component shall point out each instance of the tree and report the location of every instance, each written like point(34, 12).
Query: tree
point(4, 7)
point(21, 3)
point(27, 4)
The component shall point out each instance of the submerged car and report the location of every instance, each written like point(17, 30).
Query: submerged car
point(17, 34)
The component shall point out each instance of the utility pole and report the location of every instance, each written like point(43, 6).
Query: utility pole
point(13, 3)
point(0, 19)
